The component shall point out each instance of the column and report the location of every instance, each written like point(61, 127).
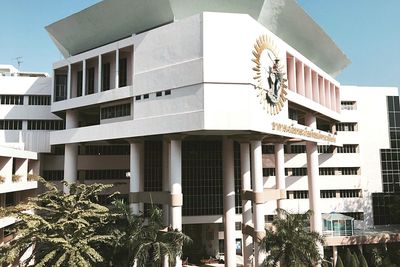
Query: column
point(69, 82)
point(99, 75)
point(334, 252)
point(246, 204)
point(70, 165)
point(279, 170)
point(165, 178)
point(313, 180)
point(71, 151)
point(117, 68)
point(176, 186)
point(84, 77)
point(229, 202)
point(136, 157)
point(258, 211)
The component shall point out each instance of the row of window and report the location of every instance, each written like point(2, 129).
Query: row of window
point(58, 175)
point(343, 193)
point(39, 100)
point(11, 99)
point(322, 171)
point(102, 174)
point(116, 111)
point(298, 149)
point(104, 150)
point(46, 125)
point(10, 124)
point(348, 105)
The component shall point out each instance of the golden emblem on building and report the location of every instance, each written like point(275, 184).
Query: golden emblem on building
point(270, 77)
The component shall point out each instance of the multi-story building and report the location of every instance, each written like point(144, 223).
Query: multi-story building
point(219, 117)
point(194, 95)
point(24, 128)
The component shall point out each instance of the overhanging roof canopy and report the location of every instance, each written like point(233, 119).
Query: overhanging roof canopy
point(111, 20)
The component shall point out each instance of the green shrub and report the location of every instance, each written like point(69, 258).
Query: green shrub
point(347, 257)
point(363, 261)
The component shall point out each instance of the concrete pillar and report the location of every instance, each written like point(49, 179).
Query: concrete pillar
point(229, 202)
point(258, 211)
point(279, 170)
point(246, 204)
point(335, 254)
point(71, 151)
point(70, 165)
point(313, 180)
point(99, 75)
point(69, 79)
point(165, 178)
point(117, 68)
point(84, 77)
point(136, 158)
point(176, 186)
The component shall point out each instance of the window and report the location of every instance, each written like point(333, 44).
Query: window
point(268, 172)
point(348, 171)
point(57, 150)
point(106, 79)
point(39, 100)
point(326, 171)
point(348, 105)
point(295, 171)
point(300, 194)
point(116, 111)
point(53, 175)
point(103, 174)
point(297, 149)
point(328, 193)
point(12, 99)
point(60, 87)
point(123, 63)
point(356, 215)
point(90, 81)
point(10, 125)
point(348, 149)
point(79, 83)
point(346, 127)
point(350, 193)
point(46, 125)
point(268, 149)
point(10, 199)
point(104, 150)
point(323, 149)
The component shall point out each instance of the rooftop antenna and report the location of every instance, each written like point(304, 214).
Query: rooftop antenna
point(19, 61)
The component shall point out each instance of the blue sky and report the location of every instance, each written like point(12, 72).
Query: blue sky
point(367, 31)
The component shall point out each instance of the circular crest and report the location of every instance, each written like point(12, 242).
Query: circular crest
point(269, 75)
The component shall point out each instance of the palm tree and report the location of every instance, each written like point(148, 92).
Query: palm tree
point(64, 230)
point(145, 239)
point(289, 241)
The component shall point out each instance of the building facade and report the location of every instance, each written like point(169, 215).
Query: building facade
point(24, 104)
point(220, 113)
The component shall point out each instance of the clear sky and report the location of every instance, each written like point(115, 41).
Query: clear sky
point(367, 31)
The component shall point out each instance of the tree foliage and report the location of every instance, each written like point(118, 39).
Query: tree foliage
point(74, 230)
point(63, 230)
point(146, 240)
point(290, 243)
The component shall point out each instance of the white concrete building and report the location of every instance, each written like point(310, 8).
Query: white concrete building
point(23, 96)
point(193, 99)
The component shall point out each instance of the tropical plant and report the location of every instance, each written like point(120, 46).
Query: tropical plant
point(145, 241)
point(356, 258)
point(347, 257)
point(33, 177)
point(363, 261)
point(16, 178)
point(339, 262)
point(289, 242)
point(353, 261)
point(64, 230)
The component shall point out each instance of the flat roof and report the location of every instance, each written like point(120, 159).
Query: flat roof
point(112, 20)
